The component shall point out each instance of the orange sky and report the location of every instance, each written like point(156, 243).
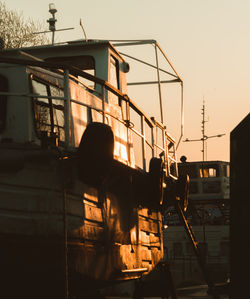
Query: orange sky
point(208, 42)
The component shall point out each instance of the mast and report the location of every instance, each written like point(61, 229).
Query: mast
point(204, 136)
point(203, 130)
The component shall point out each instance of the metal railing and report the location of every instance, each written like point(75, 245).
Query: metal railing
point(168, 148)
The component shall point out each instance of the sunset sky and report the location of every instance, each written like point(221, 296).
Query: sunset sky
point(208, 42)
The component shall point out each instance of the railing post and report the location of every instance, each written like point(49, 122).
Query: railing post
point(182, 116)
point(67, 108)
point(153, 141)
point(103, 103)
point(128, 130)
point(143, 143)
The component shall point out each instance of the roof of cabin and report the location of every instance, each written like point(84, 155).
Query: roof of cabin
point(94, 44)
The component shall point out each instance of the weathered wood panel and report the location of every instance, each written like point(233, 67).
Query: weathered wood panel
point(154, 240)
point(92, 213)
point(148, 225)
point(146, 254)
point(92, 231)
point(147, 214)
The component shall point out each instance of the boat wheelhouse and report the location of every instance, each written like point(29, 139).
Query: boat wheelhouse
point(209, 180)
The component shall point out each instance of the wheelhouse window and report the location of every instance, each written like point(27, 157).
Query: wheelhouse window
point(209, 171)
point(3, 102)
point(85, 63)
point(48, 111)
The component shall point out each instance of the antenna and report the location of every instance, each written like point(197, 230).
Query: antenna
point(52, 23)
point(204, 136)
point(85, 35)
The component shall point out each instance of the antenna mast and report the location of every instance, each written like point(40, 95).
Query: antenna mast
point(203, 130)
point(52, 23)
point(204, 136)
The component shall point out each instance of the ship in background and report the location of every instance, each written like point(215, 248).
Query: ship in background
point(208, 214)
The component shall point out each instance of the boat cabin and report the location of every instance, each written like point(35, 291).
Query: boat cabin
point(209, 180)
point(62, 88)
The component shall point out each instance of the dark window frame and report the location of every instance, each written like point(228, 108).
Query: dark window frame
point(50, 105)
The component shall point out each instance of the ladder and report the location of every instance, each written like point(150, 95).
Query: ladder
point(213, 290)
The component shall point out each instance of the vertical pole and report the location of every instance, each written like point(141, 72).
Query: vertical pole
point(182, 109)
point(103, 104)
point(128, 130)
point(67, 142)
point(53, 37)
point(159, 83)
point(182, 115)
point(203, 131)
point(153, 142)
point(143, 143)
point(67, 108)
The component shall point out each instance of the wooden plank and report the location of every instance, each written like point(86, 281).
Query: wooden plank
point(146, 254)
point(149, 239)
point(144, 238)
point(91, 195)
point(92, 213)
point(154, 240)
point(145, 213)
point(92, 232)
point(148, 226)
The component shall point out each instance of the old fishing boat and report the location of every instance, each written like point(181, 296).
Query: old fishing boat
point(84, 172)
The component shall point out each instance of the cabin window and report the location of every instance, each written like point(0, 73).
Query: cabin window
point(48, 112)
point(3, 102)
point(209, 171)
point(84, 63)
point(114, 79)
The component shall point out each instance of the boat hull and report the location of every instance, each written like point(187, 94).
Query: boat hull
point(52, 231)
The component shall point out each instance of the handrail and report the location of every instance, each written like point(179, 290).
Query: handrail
point(79, 72)
point(67, 68)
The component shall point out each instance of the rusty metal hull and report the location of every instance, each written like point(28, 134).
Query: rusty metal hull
point(111, 235)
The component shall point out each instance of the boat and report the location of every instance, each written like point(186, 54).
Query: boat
point(83, 170)
point(209, 215)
